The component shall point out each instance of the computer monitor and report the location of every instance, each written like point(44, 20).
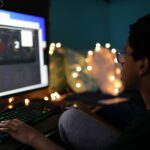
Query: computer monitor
point(22, 45)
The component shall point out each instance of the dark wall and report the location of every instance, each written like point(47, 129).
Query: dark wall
point(79, 24)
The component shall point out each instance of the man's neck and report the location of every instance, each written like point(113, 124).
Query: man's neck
point(145, 92)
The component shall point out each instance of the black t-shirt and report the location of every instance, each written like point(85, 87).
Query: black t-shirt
point(136, 136)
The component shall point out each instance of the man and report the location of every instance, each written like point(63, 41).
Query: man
point(82, 132)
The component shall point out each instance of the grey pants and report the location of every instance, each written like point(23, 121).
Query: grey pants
point(80, 131)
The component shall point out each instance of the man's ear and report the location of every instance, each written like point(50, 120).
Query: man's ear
point(143, 66)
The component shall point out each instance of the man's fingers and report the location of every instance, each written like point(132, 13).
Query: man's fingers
point(9, 125)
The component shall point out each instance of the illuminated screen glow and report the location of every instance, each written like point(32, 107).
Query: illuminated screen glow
point(22, 44)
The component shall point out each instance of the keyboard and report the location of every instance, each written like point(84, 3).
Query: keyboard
point(32, 114)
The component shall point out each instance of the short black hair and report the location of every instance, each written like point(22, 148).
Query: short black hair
point(139, 37)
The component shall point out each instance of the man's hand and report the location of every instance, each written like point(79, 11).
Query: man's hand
point(19, 130)
point(27, 135)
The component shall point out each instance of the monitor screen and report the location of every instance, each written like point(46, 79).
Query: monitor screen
point(22, 45)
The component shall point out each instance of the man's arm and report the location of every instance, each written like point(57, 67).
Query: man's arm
point(27, 135)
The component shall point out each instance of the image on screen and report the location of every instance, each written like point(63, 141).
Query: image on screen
point(22, 45)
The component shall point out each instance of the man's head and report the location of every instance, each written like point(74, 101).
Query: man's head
point(136, 65)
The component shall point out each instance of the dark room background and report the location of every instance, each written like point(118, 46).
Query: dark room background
point(79, 24)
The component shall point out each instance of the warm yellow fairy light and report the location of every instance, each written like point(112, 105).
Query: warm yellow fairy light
point(51, 48)
point(26, 102)
point(111, 78)
point(97, 45)
point(89, 68)
point(107, 45)
point(10, 106)
point(90, 52)
point(118, 71)
point(115, 60)
point(11, 99)
point(58, 45)
point(78, 85)
point(75, 105)
point(75, 75)
point(55, 96)
point(97, 49)
point(46, 98)
point(116, 91)
point(78, 68)
point(51, 52)
point(52, 45)
point(118, 84)
point(113, 50)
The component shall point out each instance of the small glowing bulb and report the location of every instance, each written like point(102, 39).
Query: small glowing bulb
point(53, 98)
point(107, 45)
point(10, 106)
point(78, 85)
point(11, 99)
point(78, 68)
point(51, 48)
point(75, 75)
point(115, 60)
point(57, 95)
point(89, 68)
point(52, 45)
point(51, 52)
point(112, 78)
point(116, 91)
point(58, 45)
point(98, 45)
point(46, 98)
point(90, 52)
point(118, 71)
point(113, 50)
point(26, 102)
point(97, 49)
point(75, 105)
point(118, 84)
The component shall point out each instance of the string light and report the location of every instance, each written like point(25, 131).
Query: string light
point(115, 60)
point(75, 105)
point(111, 78)
point(78, 68)
point(26, 102)
point(107, 45)
point(58, 45)
point(78, 85)
point(75, 75)
point(89, 68)
point(90, 52)
point(115, 71)
point(118, 84)
point(51, 48)
point(113, 50)
point(11, 99)
point(118, 71)
point(98, 47)
point(46, 98)
point(10, 106)
point(116, 91)
point(55, 96)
